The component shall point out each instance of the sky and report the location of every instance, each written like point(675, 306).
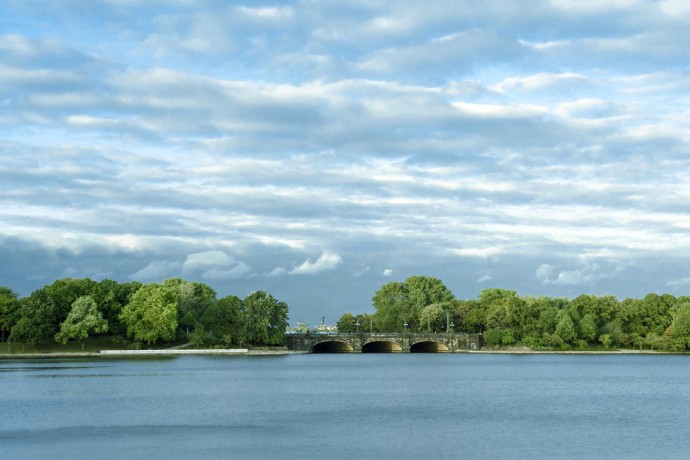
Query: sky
point(320, 149)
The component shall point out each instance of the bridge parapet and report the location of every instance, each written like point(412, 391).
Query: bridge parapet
point(363, 341)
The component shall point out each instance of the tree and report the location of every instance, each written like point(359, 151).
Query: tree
point(605, 339)
point(111, 296)
point(36, 318)
point(223, 320)
point(472, 315)
point(392, 306)
point(9, 304)
point(151, 314)
point(432, 318)
point(680, 327)
point(193, 300)
point(565, 328)
point(399, 303)
point(347, 323)
point(426, 290)
point(64, 292)
point(82, 320)
point(588, 327)
point(265, 319)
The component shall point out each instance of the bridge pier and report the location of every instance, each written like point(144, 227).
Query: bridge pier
point(384, 343)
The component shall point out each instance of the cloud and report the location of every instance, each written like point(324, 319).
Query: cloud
point(327, 262)
point(238, 271)
point(204, 260)
point(484, 279)
point(361, 272)
point(678, 282)
point(277, 272)
point(544, 273)
point(586, 275)
point(157, 271)
point(174, 140)
point(478, 252)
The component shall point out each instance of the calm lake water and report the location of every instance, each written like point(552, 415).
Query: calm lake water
point(366, 406)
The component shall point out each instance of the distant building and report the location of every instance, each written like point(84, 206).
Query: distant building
point(326, 329)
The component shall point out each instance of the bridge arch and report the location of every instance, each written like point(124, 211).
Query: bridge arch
point(382, 346)
point(333, 346)
point(429, 346)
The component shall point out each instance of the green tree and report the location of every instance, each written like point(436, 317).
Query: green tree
point(111, 297)
point(36, 318)
point(82, 320)
point(565, 327)
point(151, 314)
point(347, 323)
point(223, 320)
point(9, 306)
point(64, 292)
point(432, 318)
point(426, 290)
point(265, 319)
point(193, 300)
point(605, 340)
point(392, 305)
point(399, 303)
point(680, 326)
point(588, 327)
point(471, 315)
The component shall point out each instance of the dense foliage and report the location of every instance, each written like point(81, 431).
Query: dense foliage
point(423, 304)
point(173, 311)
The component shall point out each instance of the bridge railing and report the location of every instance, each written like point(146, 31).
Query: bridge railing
point(383, 334)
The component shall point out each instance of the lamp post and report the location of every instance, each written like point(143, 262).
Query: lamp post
point(357, 325)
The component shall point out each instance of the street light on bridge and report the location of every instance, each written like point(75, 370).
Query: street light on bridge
point(357, 325)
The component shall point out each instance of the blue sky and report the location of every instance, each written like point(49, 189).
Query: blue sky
point(319, 149)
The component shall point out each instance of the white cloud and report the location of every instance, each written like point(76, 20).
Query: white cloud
point(361, 272)
point(238, 271)
point(484, 279)
point(478, 252)
point(210, 265)
point(327, 262)
point(545, 273)
point(277, 271)
point(678, 282)
point(586, 275)
point(207, 259)
point(157, 271)
point(499, 111)
point(204, 127)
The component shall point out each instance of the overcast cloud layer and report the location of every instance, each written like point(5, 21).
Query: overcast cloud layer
point(318, 149)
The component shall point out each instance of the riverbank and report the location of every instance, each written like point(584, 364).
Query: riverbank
point(527, 351)
point(150, 353)
point(281, 352)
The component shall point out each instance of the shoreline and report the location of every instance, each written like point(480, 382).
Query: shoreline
point(259, 352)
point(163, 353)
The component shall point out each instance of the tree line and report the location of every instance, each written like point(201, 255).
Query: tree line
point(172, 311)
point(504, 318)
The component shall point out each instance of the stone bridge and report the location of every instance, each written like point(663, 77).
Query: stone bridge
point(384, 343)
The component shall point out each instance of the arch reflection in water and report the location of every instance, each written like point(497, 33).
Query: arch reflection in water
point(382, 346)
point(333, 346)
point(428, 347)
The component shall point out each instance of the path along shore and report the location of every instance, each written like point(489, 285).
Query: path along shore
point(150, 353)
point(263, 352)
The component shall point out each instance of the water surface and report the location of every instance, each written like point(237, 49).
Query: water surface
point(387, 406)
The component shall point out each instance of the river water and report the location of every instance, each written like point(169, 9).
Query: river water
point(366, 406)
